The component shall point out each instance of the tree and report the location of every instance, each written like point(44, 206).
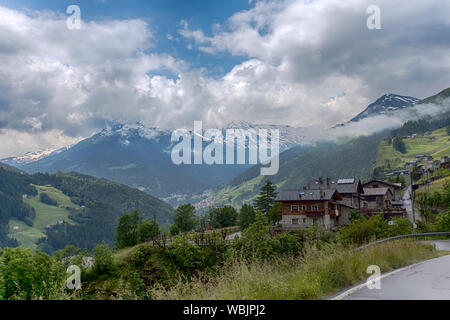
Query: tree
point(45, 198)
point(399, 145)
point(174, 230)
point(273, 215)
point(103, 260)
point(223, 217)
point(185, 218)
point(147, 230)
point(246, 216)
point(126, 232)
point(264, 200)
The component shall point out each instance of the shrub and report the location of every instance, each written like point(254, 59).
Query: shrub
point(103, 260)
point(364, 230)
point(223, 217)
point(28, 275)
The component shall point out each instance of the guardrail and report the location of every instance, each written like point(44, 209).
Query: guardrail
point(405, 236)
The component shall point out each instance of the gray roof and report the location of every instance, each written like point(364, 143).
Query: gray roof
point(341, 185)
point(376, 191)
point(395, 185)
point(305, 195)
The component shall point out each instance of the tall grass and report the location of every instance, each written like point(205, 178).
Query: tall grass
point(314, 275)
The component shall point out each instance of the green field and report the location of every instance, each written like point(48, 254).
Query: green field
point(391, 159)
point(436, 185)
point(45, 215)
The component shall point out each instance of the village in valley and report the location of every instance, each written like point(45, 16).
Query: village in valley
point(330, 203)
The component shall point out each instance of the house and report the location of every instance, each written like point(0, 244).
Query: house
point(350, 189)
point(396, 188)
point(411, 163)
point(378, 199)
point(436, 163)
point(445, 162)
point(424, 157)
point(304, 208)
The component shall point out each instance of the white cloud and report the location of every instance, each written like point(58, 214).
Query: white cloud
point(305, 63)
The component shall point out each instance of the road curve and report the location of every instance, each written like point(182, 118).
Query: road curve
point(427, 280)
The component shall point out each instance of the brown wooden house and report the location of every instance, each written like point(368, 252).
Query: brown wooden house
point(304, 208)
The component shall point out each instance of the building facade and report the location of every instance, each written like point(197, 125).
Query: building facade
point(304, 208)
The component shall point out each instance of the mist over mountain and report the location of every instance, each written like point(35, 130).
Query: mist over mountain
point(140, 156)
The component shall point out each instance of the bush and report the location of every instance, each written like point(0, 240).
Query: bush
point(223, 217)
point(443, 222)
point(190, 258)
point(364, 230)
point(103, 260)
point(401, 226)
point(28, 275)
point(256, 241)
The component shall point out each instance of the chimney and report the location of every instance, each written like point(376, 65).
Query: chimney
point(328, 181)
point(321, 194)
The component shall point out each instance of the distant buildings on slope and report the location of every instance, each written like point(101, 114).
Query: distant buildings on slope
point(330, 203)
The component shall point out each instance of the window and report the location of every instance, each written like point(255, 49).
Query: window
point(304, 207)
point(304, 220)
point(315, 207)
point(294, 221)
point(294, 208)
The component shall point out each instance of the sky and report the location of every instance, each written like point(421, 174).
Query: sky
point(167, 63)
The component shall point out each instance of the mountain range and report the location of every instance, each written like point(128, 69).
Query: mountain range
point(386, 104)
point(139, 156)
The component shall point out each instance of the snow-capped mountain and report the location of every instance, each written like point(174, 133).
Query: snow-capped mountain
point(387, 103)
point(140, 156)
point(30, 157)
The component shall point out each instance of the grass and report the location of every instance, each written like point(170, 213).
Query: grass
point(315, 275)
point(391, 159)
point(437, 185)
point(45, 215)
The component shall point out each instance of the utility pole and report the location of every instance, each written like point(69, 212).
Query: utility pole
point(411, 196)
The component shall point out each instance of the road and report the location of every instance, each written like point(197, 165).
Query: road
point(407, 204)
point(233, 235)
point(428, 280)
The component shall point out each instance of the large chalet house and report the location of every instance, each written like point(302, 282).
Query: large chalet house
point(329, 203)
point(377, 198)
point(349, 189)
point(303, 208)
point(394, 188)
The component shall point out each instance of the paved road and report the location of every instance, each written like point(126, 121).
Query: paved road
point(407, 204)
point(233, 235)
point(428, 280)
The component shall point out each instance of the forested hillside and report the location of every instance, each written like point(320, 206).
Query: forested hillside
point(85, 209)
point(12, 186)
point(302, 164)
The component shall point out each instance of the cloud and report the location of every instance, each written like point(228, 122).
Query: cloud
point(305, 63)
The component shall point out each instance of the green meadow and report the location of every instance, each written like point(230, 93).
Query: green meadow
point(45, 215)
